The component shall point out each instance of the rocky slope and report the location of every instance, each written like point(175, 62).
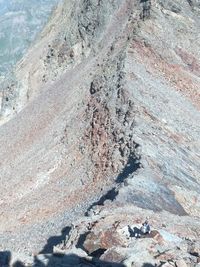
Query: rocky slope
point(106, 125)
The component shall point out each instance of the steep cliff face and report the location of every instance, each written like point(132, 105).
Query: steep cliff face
point(74, 33)
point(109, 127)
point(76, 131)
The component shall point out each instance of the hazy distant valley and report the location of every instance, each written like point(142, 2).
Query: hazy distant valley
point(20, 22)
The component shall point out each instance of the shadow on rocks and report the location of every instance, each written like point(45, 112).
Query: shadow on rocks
point(18, 264)
point(49, 260)
point(5, 257)
point(55, 240)
point(74, 260)
point(132, 166)
point(152, 265)
point(70, 260)
point(46, 258)
point(135, 232)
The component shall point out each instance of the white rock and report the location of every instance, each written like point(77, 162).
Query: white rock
point(181, 263)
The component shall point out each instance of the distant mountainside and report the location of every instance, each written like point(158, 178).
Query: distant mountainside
point(20, 22)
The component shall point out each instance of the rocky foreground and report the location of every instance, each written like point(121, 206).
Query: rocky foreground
point(100, 129)
point(106, 237)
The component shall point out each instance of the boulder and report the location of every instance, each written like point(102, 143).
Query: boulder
point(181, 263)
point(195, 249)
point(167, 264)
point(112, 255)
point(102, 240)
point(157, 236)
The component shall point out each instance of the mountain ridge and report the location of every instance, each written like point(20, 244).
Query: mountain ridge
point(112, 132)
